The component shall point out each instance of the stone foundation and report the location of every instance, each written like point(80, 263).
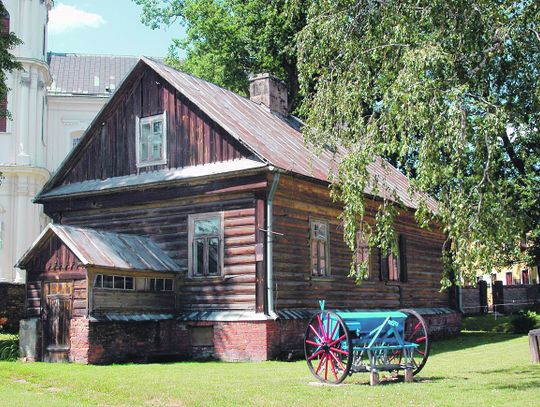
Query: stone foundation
point(12, 298)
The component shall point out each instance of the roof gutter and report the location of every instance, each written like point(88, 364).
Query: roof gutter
point(269, 246)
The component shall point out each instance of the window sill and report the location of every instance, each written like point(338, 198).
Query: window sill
point(320, 278)
point(206, 277)
point(151, 164)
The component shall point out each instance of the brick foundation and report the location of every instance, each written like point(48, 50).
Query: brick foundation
point(106, 342)
point(12, 298)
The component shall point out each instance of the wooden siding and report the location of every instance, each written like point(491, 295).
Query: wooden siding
point(166, 222)
point(109, 148)
point(55, 262)
point(131, 301)
point(295, 201)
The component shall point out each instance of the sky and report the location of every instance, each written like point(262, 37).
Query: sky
point(105, 27)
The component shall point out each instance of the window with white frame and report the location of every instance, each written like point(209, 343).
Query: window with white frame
point(205, 244)
point(320, 250)
point(151, 140)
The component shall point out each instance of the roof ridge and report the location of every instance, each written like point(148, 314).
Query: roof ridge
point(82, 54)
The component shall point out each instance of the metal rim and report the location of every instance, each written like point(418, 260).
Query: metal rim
point(416, 331)
point(327, 347)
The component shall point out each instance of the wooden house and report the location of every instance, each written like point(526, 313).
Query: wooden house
point(190, 221)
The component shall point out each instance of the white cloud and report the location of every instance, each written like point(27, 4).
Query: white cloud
point(64, 18)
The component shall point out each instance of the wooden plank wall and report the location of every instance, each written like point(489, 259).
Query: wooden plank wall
point(166, 222)
point(55, 262)
point(295, 201)
point(192, 138)
point(131, 301)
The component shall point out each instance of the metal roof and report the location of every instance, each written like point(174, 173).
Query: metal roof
point(92, 75)
point(156, 177)
point(273, 138)
point(106, 249)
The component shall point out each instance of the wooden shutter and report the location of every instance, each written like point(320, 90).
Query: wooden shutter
point(402, 243)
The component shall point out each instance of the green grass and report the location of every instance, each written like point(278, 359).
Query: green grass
point(476, 369)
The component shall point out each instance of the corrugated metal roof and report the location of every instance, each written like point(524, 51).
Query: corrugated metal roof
point(272, 137)
point(106, 249)
point(306, 314)
point(80, 74)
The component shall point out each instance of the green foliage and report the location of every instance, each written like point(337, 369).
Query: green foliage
point(524, 321)
point(229, 40)
point(9, 347)
point(449, 92)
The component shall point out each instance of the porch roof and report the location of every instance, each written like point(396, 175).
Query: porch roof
point(105, 249)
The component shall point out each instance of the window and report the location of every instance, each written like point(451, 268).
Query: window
point(3, 115)
point(159, 284)
point(319, 243)
point(525, 276)
point(151, 140)
point(113, 282)
point(509, 279)
point(393, 267)
point(205, 244)
point(4, 19)
point(363, 257)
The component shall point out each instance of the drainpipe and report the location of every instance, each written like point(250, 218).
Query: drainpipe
point(269, 247)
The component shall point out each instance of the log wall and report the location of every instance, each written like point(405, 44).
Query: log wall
point(297, 200)
point(166, 222)
point(109, 148)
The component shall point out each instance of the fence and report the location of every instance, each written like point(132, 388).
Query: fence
point(499, 298)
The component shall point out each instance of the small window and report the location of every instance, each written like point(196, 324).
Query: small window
point(3, 115)
point(113, 282)
point(393, 266)
point(160, 284)
point(509, 279)
point(320, 265)
point(205, 244)
point(525, 276)
point(151, 140)
point(363, 257)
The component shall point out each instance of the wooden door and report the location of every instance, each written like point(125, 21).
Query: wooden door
point(57, 299)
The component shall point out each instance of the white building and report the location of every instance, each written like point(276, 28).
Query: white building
point(52, 101)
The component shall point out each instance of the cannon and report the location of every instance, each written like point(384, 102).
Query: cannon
point(340, 343)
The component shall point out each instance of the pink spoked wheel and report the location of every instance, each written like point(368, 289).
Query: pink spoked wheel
point(327, 346)
point(415, 332)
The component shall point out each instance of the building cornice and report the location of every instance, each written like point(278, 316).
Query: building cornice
point(42, 64)
point(24, 170)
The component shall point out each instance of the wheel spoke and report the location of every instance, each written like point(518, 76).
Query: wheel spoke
point(337, 340)
point(320, 364)
point(316, 333)
point(343, 352)
point(326, 368)
point(316, 354)
point(337, 361)
point(313, 343)
point(333, 332)
point(321, 327)
point(422, 338)
point(333, 369)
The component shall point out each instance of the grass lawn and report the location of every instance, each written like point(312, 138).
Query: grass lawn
point(476, 369)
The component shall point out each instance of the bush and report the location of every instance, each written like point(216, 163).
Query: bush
point(524, 321)
point(9, 349)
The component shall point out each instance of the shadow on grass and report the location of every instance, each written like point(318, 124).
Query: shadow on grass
point(467, 340)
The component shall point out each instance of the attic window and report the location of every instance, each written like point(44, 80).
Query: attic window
point(151, 140)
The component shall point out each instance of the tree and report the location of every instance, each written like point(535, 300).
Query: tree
point(448, 91)
point(229, 40)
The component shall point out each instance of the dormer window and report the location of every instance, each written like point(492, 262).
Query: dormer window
point(151, 140)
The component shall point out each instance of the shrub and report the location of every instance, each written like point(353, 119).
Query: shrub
point(524, 321)
point(9, 349)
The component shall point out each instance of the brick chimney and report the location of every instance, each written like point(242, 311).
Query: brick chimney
point(268, 90)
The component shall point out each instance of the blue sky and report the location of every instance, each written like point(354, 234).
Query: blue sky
point(105, 27)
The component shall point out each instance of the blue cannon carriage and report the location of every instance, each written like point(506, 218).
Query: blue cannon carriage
point(340, 343)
